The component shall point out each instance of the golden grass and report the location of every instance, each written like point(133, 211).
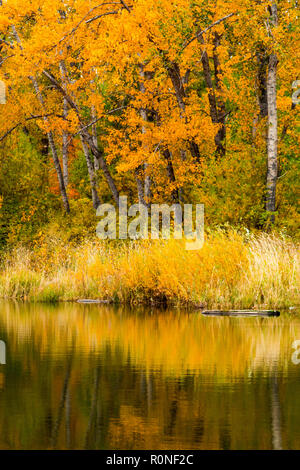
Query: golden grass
point(230, 271)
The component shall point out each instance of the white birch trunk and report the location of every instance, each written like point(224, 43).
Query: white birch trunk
point(272, 165)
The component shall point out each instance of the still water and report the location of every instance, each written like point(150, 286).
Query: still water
point(100, 377)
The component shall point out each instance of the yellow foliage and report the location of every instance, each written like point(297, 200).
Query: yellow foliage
point(229, 271)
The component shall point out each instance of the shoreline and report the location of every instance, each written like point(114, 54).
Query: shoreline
point(228, 273)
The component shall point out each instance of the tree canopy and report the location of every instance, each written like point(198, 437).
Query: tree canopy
point(173, 101)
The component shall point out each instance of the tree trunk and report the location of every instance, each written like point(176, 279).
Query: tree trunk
point(55, 158)
point(65, 148)
point(261, 79)
point(147, 179)
point(140, 186)
point(49, 135)
point(272, 170)
point(87, 137)
point(94, 135)
point(147, 186)
point(89, 162)
point(65, 137)
point(90, 167)
point(103, 165)
point(221, 109)
point(262, 60)
point(171, 175)
point(175, 194)
point(213, 104)
point(177, 81)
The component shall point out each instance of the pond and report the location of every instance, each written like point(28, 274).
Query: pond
point(102, 377)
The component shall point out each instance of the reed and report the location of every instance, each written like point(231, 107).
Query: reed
point(230, 271)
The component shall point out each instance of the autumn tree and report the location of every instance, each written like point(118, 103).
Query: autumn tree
point(172, 101)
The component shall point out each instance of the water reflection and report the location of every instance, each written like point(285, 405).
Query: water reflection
point(99, 377)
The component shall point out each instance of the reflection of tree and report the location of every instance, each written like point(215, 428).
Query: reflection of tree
point(94, 409)
point(224, 427)
point(61, 406)
point(171, 421)
point(139, 381)
point(68, 419)
point(276, 414)
point(149, 391)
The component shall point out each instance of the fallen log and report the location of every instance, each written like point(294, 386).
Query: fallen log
point(241, 313)
point(90, 301)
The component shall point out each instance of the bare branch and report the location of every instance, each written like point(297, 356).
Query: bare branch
point(5, 58)
point(61, 89)
point(125, 6)
point(42, 116)
point(207, 29)
point(84, 20)
point(100, 16)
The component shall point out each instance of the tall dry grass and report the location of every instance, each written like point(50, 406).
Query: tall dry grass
point(230, 271)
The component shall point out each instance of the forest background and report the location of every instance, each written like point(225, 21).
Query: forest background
point(186, 101)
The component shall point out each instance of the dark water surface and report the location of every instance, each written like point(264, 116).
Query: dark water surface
point(99, 377)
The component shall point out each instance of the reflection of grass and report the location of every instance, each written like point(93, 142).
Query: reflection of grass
point(227, 272)
point(172, 342)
